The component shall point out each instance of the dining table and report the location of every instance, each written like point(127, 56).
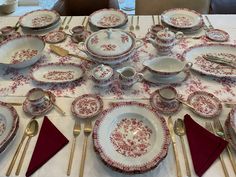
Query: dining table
point(14, 85)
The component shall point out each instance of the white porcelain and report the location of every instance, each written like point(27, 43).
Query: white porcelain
point(166, 66)
point(167, 94)
point(195, 55)
point(54, 37)
point(39, 19)
point(36, 96)
point(108, 18)
point(22, 51)
point(8, 6)
point(217, 35)
point(57, 73)
point(181, 18)
point(102, 75)
point(131, 137)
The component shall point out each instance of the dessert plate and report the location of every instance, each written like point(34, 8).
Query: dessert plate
point(87, 106)
point(108, 18)
point(131, 137)
point(226, 51)
point(205, 104)
point(54, 37)
point(57, 73)
point(156, 79)
point(181, 18)
point(217, 35)
point(9, 123)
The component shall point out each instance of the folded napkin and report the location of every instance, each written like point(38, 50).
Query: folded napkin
point(204, 146)
point(49, 142)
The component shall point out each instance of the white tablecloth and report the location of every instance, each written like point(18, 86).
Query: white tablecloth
point(14, 85)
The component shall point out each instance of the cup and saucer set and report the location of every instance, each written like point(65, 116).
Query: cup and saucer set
point(38, 102)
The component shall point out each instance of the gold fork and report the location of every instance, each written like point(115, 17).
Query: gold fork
point(76, 132)
point(87, 130)
point(62, 25)
point(84, 20)
point(210, 129)
point(137, 25)
point(131, 28)
point(220, 132)
point(67, 25)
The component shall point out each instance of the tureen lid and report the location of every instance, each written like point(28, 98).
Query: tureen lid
point(165, 34)
point(110, 42)
point(102, 72)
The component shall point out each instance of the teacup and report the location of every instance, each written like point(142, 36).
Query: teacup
point(78, 29)
point(36, 96)
point(168, 94)
point(155, 29)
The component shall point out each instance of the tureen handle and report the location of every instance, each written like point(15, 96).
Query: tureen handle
point(109, 31)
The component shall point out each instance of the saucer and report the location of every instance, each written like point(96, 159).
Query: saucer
point(37, 110)
point(217, 35)
point(165, 108)
point(176, 79)
point(55, 37)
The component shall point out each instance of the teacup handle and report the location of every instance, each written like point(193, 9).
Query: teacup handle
point(81, 47)
point(179, 35)
point(188, 66)
point(139, 43)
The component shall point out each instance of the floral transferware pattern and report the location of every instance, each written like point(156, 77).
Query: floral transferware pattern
point(131, 137)
point(23, 55)
point(42, 21)
point(55, 37)
point(2, 124)
point(181, 21)
point(109, 20)
point(59, 75)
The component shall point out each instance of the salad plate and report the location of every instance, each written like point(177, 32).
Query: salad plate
point(54, 37)
point(196, 55)
point(181, 18)
point(57, 73)
point(9, 123)
point(87, 106)
point(205, 104)
point(131, 137)
point(217, 35)
point(108, 18)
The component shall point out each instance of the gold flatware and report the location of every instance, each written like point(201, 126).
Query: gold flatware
point(210, 25)
point(131, 28)
point(87, 130)
point(76, 132)
point(17, 25)
point(31, 131)
point(49, 98)
point(185, 103)
point(63, 52)
point(137, 27)
point(180, 131)
point(229, 103)
point(62, 25)
point(219, 60)
point(153, 20)
point(220, 132)
point(86, 25)
point(84, 20)
point(210, 129)
point(29, 126)
point(170, 125)
point(67, 25)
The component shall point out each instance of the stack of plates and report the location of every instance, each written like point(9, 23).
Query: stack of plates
point(9, 123)
point(182, 19)
point(39, 21)
point(230, 128)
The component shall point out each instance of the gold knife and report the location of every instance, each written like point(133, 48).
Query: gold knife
point(172, 134)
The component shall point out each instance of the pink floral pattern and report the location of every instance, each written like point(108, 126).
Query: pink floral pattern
point(23, 55)
point(131, 137)
point(181, 21)
point(108, 47)
point(55, 37)
point(94, 40)
point(109, 20)
point(59, 75)
point(124, 38)
point(41, 21)
point(2, 125)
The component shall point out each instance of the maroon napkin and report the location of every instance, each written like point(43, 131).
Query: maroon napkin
point(49, 142)
point(204, 146)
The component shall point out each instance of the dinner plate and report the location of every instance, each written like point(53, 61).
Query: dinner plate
point(57, 73)
point(9, 123)
point(87, 106)
point(195, 55)
point(181, 18)
point(39, 19)
point(131, 137)
point(108, 18)
point(205, 104)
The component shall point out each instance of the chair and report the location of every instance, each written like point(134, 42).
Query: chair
point(83, 7)
point(154, 7)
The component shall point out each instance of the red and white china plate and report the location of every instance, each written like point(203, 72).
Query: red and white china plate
point(54, 37)
point(87, 106)
point(39, 19)
point(57, 73)
point(131, 137)
point(195, 55)
point(205, 104)
point(181, 18)
point(164, 107)
point(108, 18)
point(217, 35)
point(9, 123)
point(38, 110)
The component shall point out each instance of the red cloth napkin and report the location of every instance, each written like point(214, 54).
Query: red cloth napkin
point(49, 142)
point(204, 146)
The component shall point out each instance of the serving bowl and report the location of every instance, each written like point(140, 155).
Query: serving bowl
point(8, 6)
point(21, 51)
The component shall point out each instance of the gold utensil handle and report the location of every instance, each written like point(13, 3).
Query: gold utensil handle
point(58, 108)
point(81, 172)
point(22, 157)
point(178, 169)
point(185, 157)
point(223, 166)
point(231, 159)
point(153, 20)
point(71, 157)
point(77, 56)
point(15, 156)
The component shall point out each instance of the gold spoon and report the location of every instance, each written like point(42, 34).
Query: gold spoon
point(180, 131)
point(49, 98)
point(18, 149)
point(30, 131)
point(185, 103)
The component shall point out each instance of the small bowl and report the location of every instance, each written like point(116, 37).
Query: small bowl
point(9, 6)
point(166, 66)
point(102, 75)
point(36, 96)
point(167, 94)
